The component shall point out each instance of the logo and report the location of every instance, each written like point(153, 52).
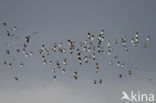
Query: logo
point(137, 97)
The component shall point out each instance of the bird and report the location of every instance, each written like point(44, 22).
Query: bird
point(85, 51)
point(16, 78)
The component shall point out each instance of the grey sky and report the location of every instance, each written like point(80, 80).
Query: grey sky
point(57, 21)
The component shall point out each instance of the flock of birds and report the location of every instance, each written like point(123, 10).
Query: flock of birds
point(84, 51)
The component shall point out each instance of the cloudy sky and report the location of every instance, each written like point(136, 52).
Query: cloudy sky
point(60, 20)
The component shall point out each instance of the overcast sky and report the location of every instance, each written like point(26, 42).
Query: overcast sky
point(58, 21)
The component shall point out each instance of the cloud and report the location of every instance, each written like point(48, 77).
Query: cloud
point(53, 93)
